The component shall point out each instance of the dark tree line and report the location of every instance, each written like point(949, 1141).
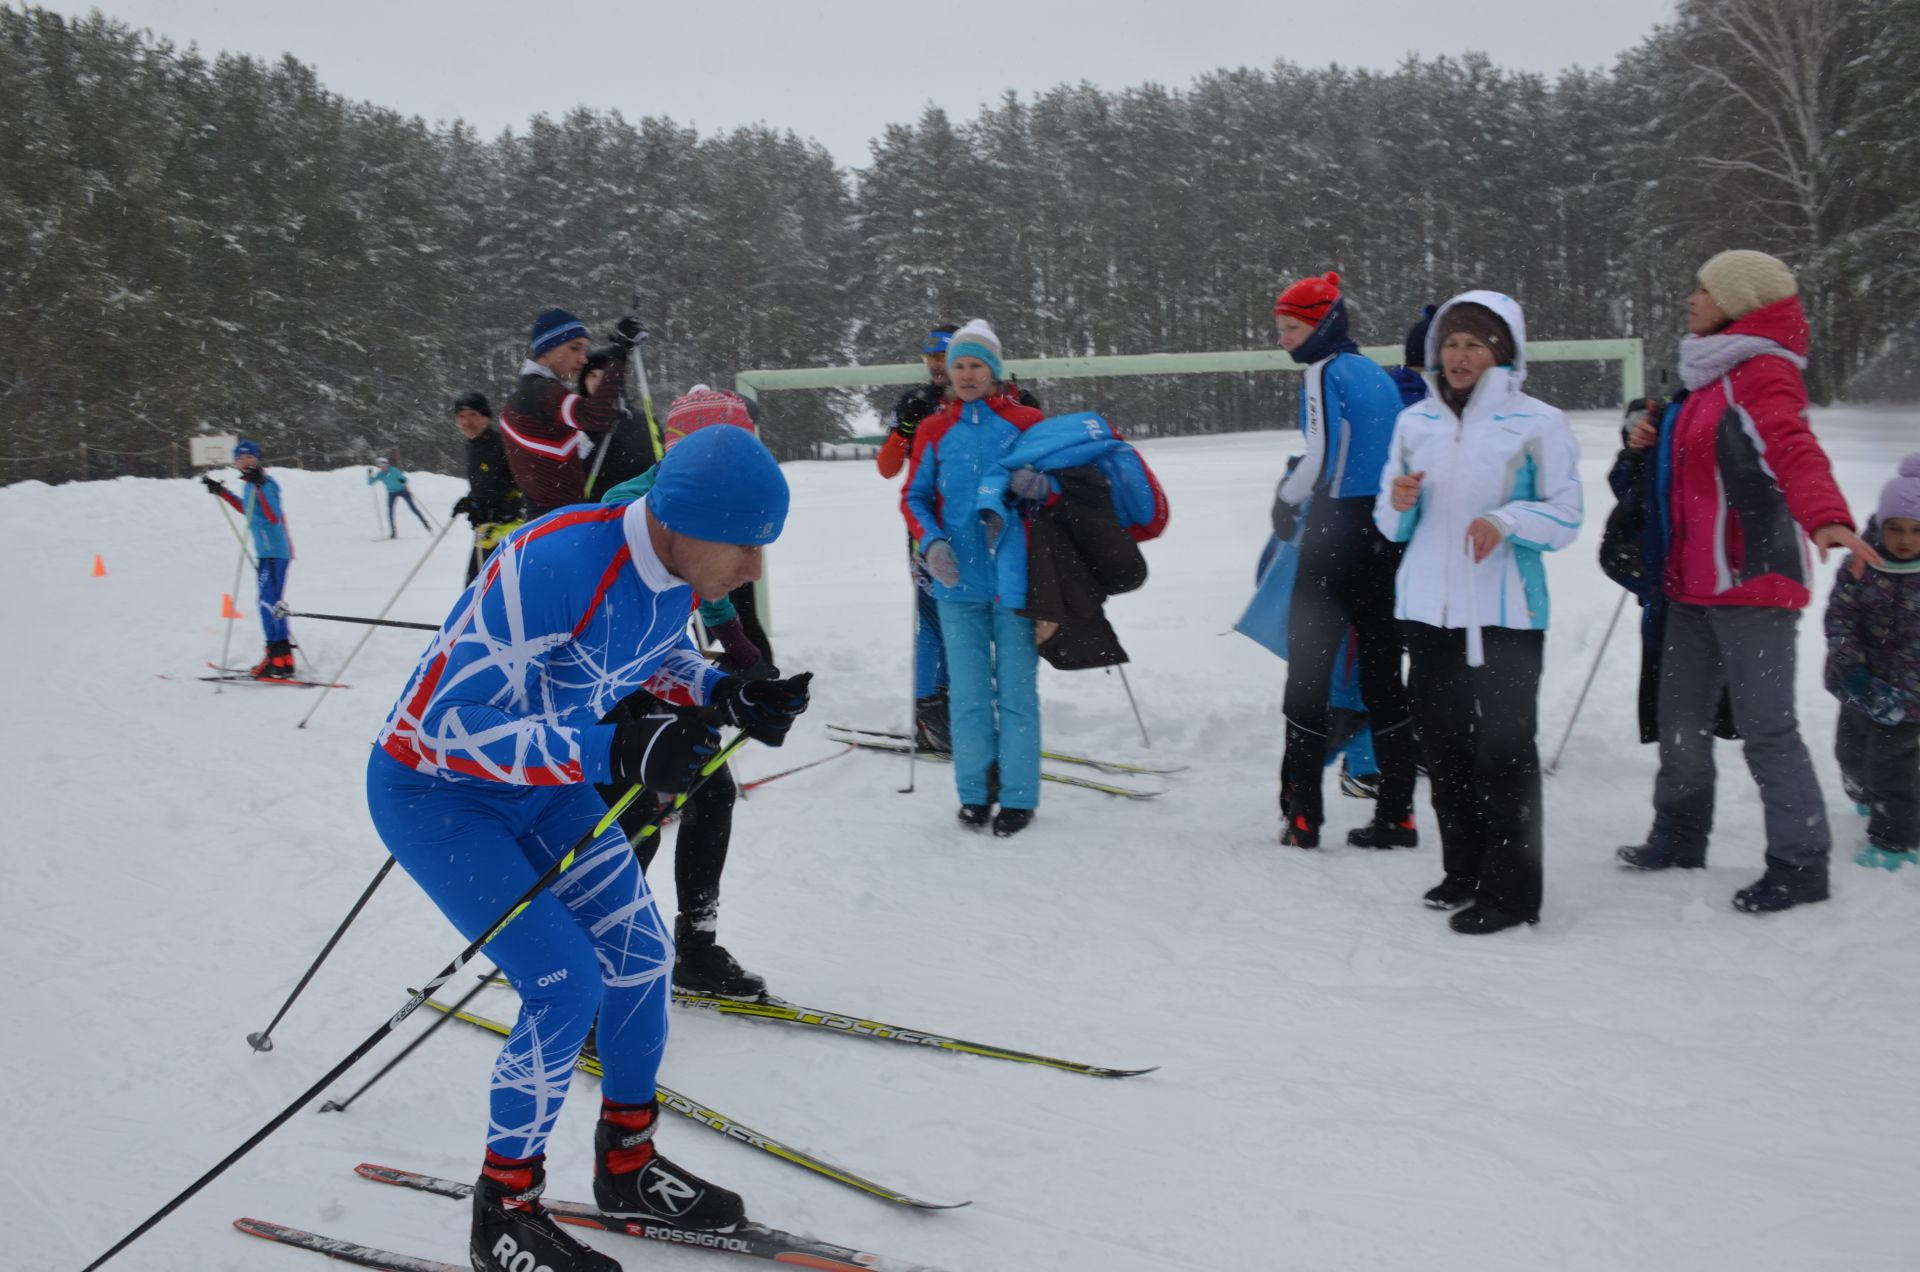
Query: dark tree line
point(221, 245)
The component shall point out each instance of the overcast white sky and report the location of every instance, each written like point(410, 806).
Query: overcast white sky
point(840, 72)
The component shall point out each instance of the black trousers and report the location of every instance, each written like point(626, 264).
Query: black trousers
point(1476, 727)
point(706, 830)
point(1882, 762)
point(1345, 580)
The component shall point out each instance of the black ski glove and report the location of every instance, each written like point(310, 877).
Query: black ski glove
point(213, 487)
point(258, 476)
point(663, 752)
point(627, 333)
point(1285, 518)
point(765, 709)
point(912, 411)
point(465, 505)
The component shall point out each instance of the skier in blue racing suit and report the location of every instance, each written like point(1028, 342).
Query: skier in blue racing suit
point(484, 776)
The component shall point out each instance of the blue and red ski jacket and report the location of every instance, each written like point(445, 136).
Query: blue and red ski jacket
point(263, 510)
point(573, 612)
point(954, 450)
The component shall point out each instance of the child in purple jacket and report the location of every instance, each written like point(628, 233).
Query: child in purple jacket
point(1873, 667)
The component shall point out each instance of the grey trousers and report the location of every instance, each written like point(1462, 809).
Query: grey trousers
point(1749, 651)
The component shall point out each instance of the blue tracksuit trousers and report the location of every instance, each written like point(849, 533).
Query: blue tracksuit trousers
point(993, 701)
point(272, 576)
point(593, 942)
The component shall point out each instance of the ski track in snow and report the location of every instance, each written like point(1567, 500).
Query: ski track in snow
point(1645, 1080)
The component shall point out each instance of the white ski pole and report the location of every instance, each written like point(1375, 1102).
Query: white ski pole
point(368, 634)
point(1144, 740)
point(913, 682)
point(1592, 671)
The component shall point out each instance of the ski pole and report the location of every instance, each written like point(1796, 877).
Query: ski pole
point(226, 641)
point(352, 618)
point(368, 634)
point(377, 526)
point(913, 683)
point(1121, 668)
point(646, 398)
point(263, 1040)
point(419, 996)
point(340, 1106)
point(1592, 671)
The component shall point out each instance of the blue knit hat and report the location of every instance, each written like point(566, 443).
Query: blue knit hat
point(246, 448)
point(976, 340)
point(721, 485)
point(553, 328)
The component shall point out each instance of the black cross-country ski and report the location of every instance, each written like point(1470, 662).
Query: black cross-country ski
point(1105, 766)
point(345, 1251)
point(835, 1022)
point(717, 1121)
point(755, 784)
point(286, 682)
point(754, 1240)
point(243, 675)
point(883, 746)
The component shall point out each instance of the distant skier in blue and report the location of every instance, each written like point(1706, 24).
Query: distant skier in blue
point(384, 472)
point(272, 551)
point(484, 774)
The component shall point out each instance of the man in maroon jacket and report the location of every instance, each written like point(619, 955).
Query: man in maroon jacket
point(547, 425)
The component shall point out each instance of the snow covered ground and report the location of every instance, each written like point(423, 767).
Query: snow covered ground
point(1645, 1080)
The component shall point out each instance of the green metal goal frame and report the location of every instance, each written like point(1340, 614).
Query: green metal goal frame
point(751, 384)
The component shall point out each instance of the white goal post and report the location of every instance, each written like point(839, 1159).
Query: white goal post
point(751, 384)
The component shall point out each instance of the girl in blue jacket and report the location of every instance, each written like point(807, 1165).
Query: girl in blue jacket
point(992, 662)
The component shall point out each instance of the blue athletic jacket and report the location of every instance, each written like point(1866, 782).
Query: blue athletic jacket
point(391, 477)
point(572, 613)
point(260, 501)
point(1348, 404)
point(954, 451)
point(1054, 445)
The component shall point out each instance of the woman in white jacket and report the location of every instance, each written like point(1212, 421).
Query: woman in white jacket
point(1480, 480)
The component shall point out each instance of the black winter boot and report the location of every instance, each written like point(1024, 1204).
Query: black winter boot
point(278, 664)
point(1381, 833)
point(1782, 887)
point(702, 965)
point(513, 1231)
point(932, 723)
point(1480, 920)
point(1451, 893)
point(1300, 833)
point(630, 1177)
point(974, 816)
point(1011, 821)
point(1359, 785)
point(1648, 857)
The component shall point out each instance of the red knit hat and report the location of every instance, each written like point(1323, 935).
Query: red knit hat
point(1310, 298)
point(702, 406)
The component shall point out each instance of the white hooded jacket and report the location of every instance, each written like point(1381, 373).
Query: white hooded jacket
point(1509, 458)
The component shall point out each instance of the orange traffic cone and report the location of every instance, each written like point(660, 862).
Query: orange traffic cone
point(99, 567)
point(226, 607)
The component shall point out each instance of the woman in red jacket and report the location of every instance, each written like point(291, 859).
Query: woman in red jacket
point(1749, 485)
